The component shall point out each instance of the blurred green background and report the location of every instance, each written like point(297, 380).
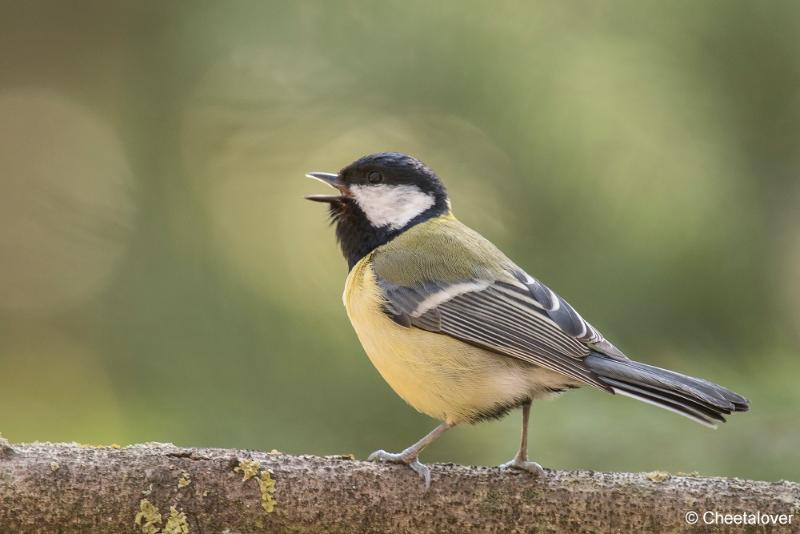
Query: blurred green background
point(162, 279)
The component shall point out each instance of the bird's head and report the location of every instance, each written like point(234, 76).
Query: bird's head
point(380, 196)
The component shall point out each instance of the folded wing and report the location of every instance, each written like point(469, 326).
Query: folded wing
point(513, 315)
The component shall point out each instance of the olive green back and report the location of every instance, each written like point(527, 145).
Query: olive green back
point(441, 249)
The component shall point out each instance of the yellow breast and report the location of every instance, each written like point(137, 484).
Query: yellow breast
point(436, 374)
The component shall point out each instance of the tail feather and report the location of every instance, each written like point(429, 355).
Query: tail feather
point(695, 398)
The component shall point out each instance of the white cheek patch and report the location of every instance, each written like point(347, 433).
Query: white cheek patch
point(391, 205)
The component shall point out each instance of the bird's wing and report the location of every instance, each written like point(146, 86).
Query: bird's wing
point(503, 310)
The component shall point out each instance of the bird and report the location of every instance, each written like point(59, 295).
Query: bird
point(458, 330)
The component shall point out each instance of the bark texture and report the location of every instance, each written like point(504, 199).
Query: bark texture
point(162, 488)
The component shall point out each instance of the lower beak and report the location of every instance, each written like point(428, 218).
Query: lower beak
point(329, 179)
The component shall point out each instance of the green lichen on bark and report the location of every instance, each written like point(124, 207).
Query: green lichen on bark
point(176, 522)
point(148, 517)
point(184, 480)
point(658, 476)
point(248, 468)
point(266, 485)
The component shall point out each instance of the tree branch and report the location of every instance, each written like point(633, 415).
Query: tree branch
point(162, 488)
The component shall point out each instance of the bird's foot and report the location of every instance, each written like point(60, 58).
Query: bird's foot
point(400, 458)
point(524, 465)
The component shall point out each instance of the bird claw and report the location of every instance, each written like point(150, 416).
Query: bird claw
point(398, 458)
point(383, 456)
point(423, 471)
point(524, 465)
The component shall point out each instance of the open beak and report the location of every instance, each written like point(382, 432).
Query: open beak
point(331, 180)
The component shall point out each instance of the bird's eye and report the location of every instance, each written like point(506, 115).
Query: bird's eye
point(375, 177)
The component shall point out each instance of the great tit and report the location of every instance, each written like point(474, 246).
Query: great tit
point(457, 329)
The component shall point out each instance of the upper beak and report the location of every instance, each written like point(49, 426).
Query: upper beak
point(330, 179)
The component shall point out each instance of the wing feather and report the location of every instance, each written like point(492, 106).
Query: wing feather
point(486, 318)
point(503, 317)
point(483, 299)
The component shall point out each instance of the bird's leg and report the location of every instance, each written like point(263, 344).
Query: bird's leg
point(410, 456)
point(520, 461)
